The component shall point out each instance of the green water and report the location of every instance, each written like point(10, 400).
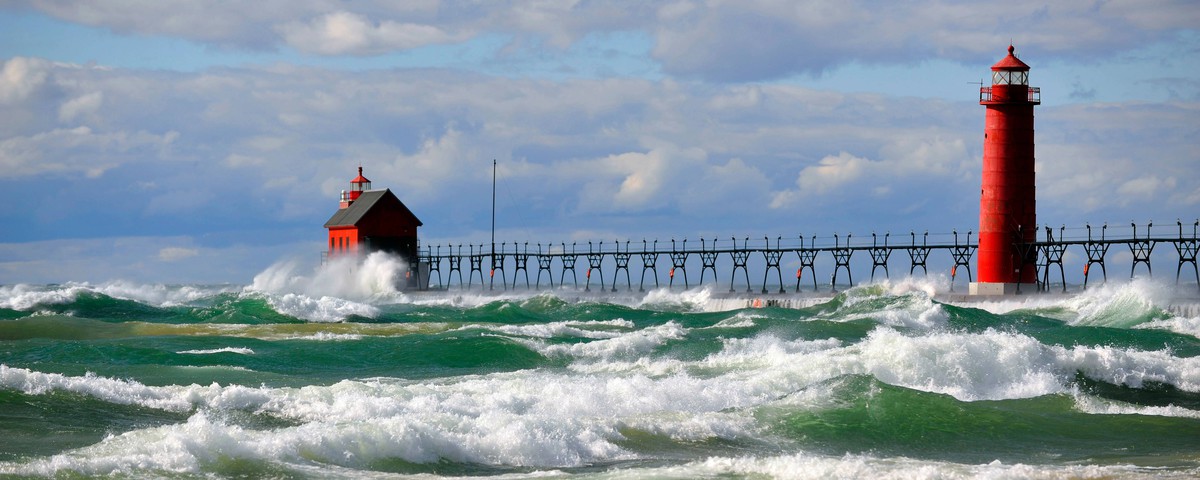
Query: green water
point(232, 383)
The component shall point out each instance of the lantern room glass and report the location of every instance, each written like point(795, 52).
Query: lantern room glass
point(1010, 77)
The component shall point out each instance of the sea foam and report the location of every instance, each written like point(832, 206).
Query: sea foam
point(335, 290)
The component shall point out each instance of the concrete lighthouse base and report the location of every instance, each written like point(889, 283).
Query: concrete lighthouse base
point(997, 289)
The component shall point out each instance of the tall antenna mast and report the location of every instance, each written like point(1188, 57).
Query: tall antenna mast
point(493, 215)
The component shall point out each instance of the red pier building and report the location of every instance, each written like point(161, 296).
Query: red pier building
point(1007, 205)
point(372, 220)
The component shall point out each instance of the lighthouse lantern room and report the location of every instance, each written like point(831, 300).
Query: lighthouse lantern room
point(1007, 205)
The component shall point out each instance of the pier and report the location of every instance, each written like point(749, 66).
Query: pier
point(763, 264)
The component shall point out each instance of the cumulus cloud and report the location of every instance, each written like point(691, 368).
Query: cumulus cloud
point(343, 32)
point(907, 157)
point(831, 173)
point(714, 40)
point(1144, 187)
point(85, 104)
point(1117, 160)
point(100, 260)
point(20, 77)
point(77, 150)
point(435, 162)
point(240, 24)
point(765, 39)
point(732, 188)
point(633, 181)
point(173, 254)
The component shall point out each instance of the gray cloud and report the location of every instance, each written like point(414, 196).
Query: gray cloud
point(343, 32)
point(766, 39)
point(715, 40)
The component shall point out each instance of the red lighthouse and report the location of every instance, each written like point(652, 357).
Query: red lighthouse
point(1007, 205)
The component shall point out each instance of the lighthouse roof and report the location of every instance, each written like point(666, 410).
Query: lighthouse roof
point(360, 178)
point(369, 200)
point(1010, 62)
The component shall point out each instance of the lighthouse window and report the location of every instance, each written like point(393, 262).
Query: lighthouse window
point(1005, 77)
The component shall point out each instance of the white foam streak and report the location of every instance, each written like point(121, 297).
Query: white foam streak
point(328, 337)
point(927, 286)
point(574, 329)
point(738, 320)
point(107, 389)
point(913, 308)
point(320, 309)
point(1186, 326)
point(237, 350)
point(27, 297)
point(697, 298)
point(521, 418)
point(1114, 304)
point(802, 466)
point(995, 365)
point(1132, 368)
point(161, 295)
point(1100, 406)
point(989, 366)
point(629, 345)
point(1120, 304)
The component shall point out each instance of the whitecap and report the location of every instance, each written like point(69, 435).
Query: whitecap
point(27, 297)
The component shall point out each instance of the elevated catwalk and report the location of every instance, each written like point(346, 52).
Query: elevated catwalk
point(511, 262)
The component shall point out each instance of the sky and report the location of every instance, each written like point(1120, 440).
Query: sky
point(195, 141)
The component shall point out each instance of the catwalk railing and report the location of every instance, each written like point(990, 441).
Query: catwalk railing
point(512, 262)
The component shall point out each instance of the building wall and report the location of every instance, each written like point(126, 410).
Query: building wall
point(387, 222)
point(343, 241)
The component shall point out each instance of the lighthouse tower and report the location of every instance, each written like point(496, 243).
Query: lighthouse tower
point(1007, 213)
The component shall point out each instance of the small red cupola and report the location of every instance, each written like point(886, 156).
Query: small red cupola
point(359, 185)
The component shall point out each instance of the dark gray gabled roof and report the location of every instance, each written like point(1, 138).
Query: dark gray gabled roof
point(350, 216)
